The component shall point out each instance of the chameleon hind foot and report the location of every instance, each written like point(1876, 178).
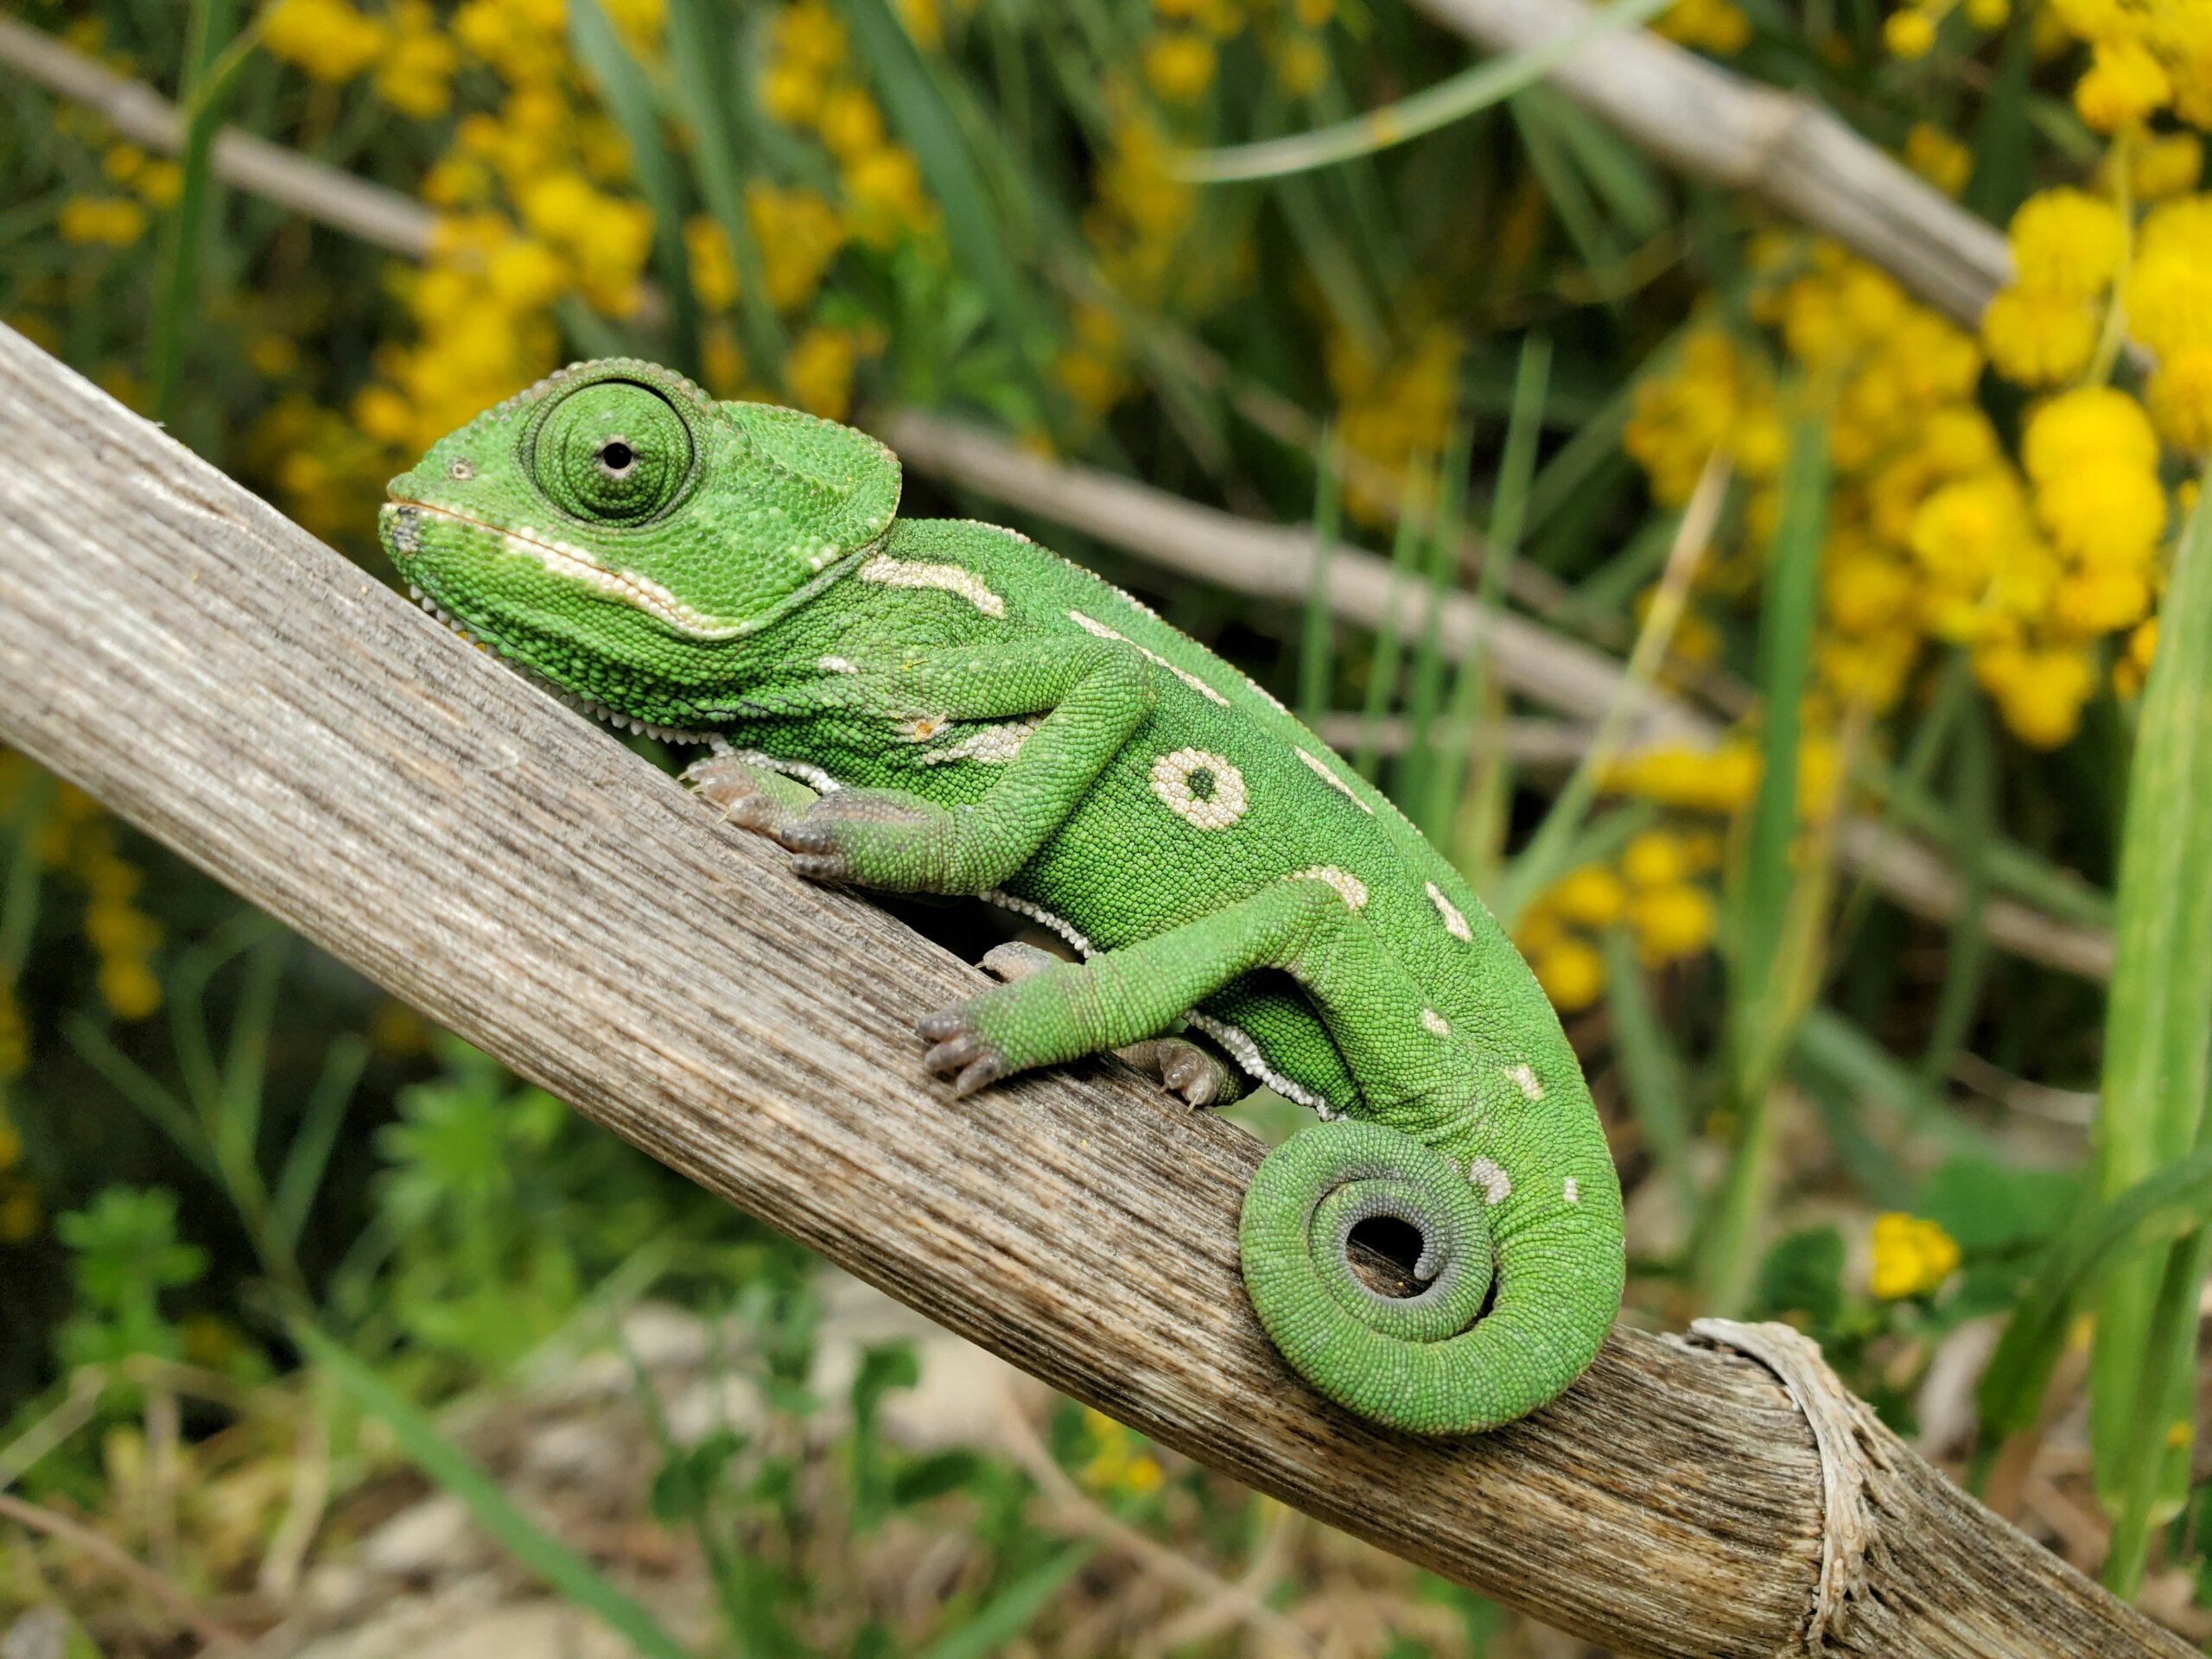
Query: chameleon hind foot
point(960, 1052)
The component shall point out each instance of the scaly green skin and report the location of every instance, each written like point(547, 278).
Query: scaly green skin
point(940, 707)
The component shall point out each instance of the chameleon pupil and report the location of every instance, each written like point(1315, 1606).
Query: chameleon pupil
point(616, 456)
point(1200, 783)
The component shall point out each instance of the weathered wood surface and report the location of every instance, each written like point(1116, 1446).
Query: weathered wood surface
point(224, 681)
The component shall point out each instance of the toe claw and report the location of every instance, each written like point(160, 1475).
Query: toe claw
point(944, 1023)
point(979, 1075)
point(954, 1053)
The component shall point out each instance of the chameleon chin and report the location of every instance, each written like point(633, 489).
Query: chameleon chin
point(944, 707)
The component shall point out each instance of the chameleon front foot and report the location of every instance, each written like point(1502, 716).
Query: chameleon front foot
point(752, 798)
point(961, 1051)
point(878, 838)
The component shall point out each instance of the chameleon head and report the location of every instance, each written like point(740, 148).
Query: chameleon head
point(614, 531)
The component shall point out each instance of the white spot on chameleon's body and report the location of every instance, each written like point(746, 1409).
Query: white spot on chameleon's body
point(1436, 1023)
point(922, 728)
point(951, 578)
point(1092, 624)
point(1573, 1194)
point(837, 665)
point(1454, 923)
point(1349, 887)
point(1492, 1180)
point(1327, 774)
point(1223, 801)
point(1523, 1077)
point(993, 746)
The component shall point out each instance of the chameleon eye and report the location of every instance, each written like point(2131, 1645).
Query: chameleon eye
point(612, 451)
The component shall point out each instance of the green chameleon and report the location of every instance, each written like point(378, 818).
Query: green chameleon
point(941, 706)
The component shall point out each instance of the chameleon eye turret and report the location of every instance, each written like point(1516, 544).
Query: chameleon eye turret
point(615, 453)
point(945, 707)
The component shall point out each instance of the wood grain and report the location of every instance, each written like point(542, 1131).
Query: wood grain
point(226, 682)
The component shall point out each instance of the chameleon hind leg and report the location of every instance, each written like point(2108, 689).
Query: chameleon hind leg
point(1184, 1066)
point(1303, 927)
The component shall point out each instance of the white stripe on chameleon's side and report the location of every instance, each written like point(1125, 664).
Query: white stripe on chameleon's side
point(951, 578)
point(1246, 1053)
point(1092, 624)
point(1327, 774)
point(1523, 1077)
point(1486, 1174)
point(1349, 888)
point(1044, 919)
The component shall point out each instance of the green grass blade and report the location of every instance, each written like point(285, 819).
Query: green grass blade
point(1508, 505)
point(1966, 964)
point(1389, 641)
point(2156, 1060)
point(692, 38)
point(1003, 1618)
point(631, 103)
point(309, 1155)
point(1650, 1066)
point(568, 1575)
point(1425, 687)
point(1315, 673)
point(1765, 991)
point(974, 233)
point(1563, 184)
point(201, 95)
point(2156, 1211)
point(1449, 100)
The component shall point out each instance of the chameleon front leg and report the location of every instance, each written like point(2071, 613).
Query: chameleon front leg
point(1093, 695)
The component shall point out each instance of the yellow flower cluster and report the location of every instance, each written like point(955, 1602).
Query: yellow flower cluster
point(1934, 533)
point(2068, 248)
point(1653, 890)
point(1394, 411)
point(1714, 25)
point(2169, 304)
point(328, 39)
point(2142, 59)
point(1912, 1256)
point(808, 83)
point(1120, 1464)
point(78, 838)
point(101, 221)
point(1938, 157)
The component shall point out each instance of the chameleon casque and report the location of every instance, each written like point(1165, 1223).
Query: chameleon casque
point(944, 707)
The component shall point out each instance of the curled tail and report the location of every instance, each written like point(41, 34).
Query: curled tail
point(1432, 1362)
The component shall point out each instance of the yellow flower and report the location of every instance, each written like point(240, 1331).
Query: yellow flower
point(884, 189)
point(2038, 337)
point(809, 33)
point(2180, 395)
point(713, 269)
point(128, 987)
point(850, 123)
point(1714, 25)
point(2125, 82)
point(1908, 34)
point(2165, 164)
point(1657, 858)
point(383, 414)
point(819, 370)
point(159, 183)
point(799, 235)
point(2169, 293)
point(2039, 693)
point(1912, 1255)
point(2134, 664)
point(2066, 242)
point(2103, 512)
point(1180, 66)
point(327, 38)
point(1591, 895)
point(415, 77)
point(2100, 599)
point(272, 356)
point(101, 221)
point(20, 1214)
point(2090, 423)
point(1671, 921)
point(1572, 974)
point(1938, 157)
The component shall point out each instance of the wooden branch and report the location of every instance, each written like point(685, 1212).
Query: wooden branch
point(1276, 562)
point(384, 218)
point(1714, 125)
point(226, 682)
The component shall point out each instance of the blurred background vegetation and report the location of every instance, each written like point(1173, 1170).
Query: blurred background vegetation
point(315, 1321)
